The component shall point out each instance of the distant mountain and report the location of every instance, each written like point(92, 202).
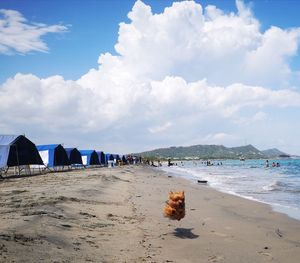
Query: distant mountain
point(274, 153)
point(206, 152)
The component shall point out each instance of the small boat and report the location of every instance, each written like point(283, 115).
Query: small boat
point(242, 159)
point(202, 181)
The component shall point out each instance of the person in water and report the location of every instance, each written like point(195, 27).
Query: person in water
point(170, 163)
point(267, 163)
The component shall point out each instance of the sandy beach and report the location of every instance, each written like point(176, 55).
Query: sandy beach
point(115, 215)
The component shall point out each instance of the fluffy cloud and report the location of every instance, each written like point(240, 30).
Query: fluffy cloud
point(185, 76)
point(193, 43)
point(18, 35)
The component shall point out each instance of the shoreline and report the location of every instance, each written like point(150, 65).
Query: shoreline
point(277, 208)
point(290, 211)
point(116, 215)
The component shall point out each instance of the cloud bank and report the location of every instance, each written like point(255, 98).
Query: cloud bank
point(17, 35)
point(187, 75)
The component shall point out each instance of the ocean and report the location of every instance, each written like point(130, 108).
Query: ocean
point(251, 179)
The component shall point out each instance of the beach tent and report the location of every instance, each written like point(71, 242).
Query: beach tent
point(16, 150)
point(53, 155)
point(116, 157)
point(124, 160)
point(74, 156)
point(101, 157)
point(89, 157)
point(109, 157)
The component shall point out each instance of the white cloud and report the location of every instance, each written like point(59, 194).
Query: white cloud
point(172, 108)
point(260, 116)
point(252, 119)
point(221, 138)
point(17, 35)
point(180, 77)
point(194, 44)
point(161, 128)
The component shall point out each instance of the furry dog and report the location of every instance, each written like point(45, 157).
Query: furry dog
point(175, 206)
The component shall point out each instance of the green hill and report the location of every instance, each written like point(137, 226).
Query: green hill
point(206, 152)
point(274, 153)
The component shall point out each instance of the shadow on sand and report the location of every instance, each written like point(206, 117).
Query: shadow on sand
point(5, 176)
point(184, 233)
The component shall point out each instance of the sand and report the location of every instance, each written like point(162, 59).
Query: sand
point(115, 215)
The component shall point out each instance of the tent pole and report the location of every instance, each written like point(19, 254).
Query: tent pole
point(18, 159)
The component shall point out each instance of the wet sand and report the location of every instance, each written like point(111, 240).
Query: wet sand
point(115, 215)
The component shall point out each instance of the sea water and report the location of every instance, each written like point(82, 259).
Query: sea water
point(276, 186)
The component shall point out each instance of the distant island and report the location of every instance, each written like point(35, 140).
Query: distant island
point(213, 152)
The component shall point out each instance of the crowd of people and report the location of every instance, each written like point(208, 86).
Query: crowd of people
point(207, 163)
point(277, 164)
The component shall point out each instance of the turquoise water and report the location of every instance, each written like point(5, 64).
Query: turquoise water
point(277, 186)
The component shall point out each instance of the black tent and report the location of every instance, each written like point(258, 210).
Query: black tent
point(74, 155)
point(124, 160)
point(94, 159)
point(101, 158)
point(16, 150)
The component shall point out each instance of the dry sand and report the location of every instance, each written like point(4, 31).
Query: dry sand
point(115, 215)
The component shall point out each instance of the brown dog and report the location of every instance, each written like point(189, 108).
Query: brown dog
point(175, 206)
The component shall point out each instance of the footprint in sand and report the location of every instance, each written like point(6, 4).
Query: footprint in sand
point(267, 255)
point(215, 258)
point(219, 234)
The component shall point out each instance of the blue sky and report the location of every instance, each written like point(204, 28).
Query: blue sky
point(91, 28)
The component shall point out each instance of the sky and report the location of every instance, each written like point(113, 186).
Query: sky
point(128, 76)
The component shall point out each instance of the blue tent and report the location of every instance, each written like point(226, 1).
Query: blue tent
point(116, 157)
point(109, 157)
point(53, 155)
point(124, 159)
point(101, 157)
point(17, 150)
point(89, 157)
point(74, 155)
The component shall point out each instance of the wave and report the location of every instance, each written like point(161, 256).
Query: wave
point(275, 186)
point(278, 187)
point(281, 186)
